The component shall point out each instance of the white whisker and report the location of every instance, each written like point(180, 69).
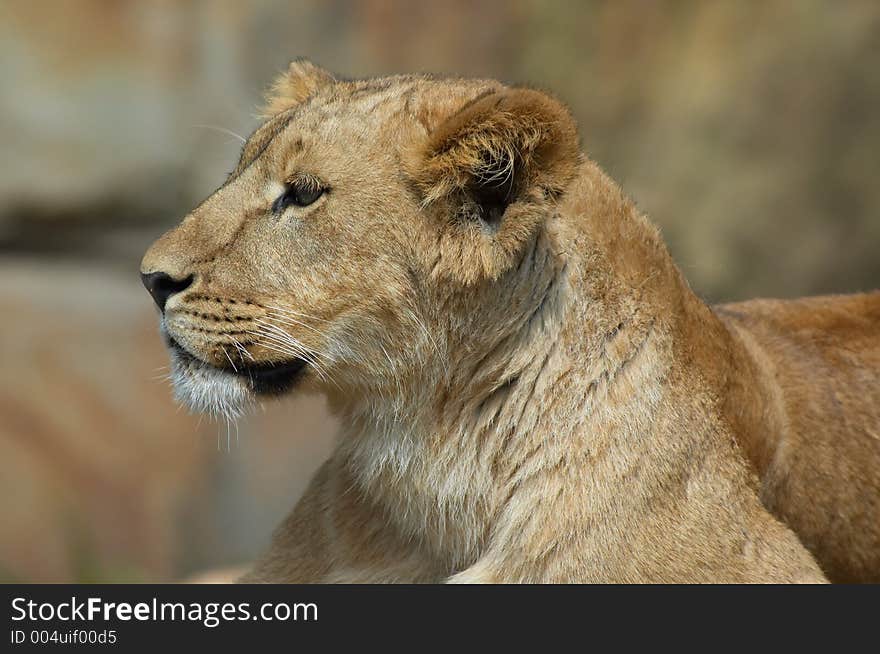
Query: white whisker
point(292, 321)
point(223, 130)
point(294, 346)
point(228, 358)
point(271, 335)
point(284, 335)
point(241, 349)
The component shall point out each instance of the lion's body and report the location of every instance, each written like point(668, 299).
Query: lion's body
point(529, 390)
point(806, 407)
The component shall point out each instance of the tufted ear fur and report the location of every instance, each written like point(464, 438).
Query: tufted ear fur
point(499, 162)
point(498, 147)
point(301, 80)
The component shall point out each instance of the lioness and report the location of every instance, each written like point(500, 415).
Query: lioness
point(528, 388)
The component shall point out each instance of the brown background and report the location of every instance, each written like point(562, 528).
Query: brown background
point(750, 131)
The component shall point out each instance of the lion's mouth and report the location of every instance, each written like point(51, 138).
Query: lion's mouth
point(263, 378)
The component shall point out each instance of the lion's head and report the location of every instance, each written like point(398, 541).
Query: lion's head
point(368, 233)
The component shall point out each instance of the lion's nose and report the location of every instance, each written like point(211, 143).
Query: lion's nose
point(162, 286)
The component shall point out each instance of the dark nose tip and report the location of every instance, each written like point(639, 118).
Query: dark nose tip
point(162, 286)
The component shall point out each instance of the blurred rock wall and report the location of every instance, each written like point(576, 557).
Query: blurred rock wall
point(748, 131)
point(102, 477)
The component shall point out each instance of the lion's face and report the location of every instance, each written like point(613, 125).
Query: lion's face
point(354, 208)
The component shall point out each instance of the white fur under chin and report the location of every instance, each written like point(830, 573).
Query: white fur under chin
point(207, 390)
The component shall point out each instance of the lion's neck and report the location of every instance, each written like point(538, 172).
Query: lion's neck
point(582, 372)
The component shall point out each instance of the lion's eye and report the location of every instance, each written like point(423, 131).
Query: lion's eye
point(298, 193)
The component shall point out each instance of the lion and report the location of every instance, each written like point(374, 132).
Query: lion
point(528, 389)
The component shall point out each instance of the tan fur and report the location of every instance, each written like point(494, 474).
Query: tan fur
point(529, 390)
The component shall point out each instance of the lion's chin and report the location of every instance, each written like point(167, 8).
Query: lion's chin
point(206, 389)
point(227, 393)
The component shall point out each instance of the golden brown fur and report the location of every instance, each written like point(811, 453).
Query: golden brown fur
point(529, 390)
point(804, 400)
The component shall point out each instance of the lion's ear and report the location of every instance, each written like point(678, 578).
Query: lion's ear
point(301, 80)
point(507, 145)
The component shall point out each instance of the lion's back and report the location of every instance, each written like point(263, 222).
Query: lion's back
point(823, 354)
